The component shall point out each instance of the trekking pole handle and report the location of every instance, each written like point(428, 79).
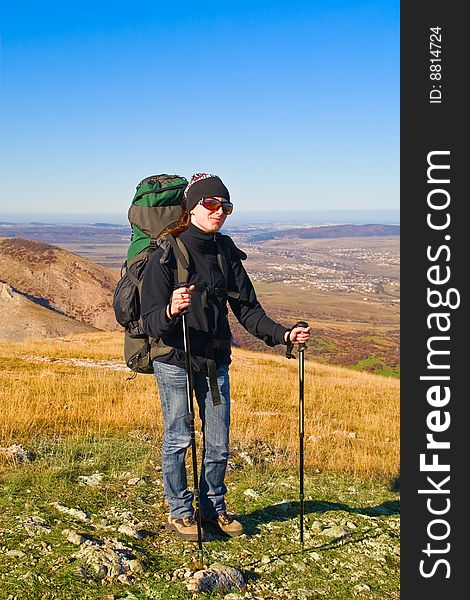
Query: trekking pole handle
point(301, 324)
point(186, 310)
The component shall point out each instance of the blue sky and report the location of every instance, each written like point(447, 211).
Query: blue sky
point(294, 104)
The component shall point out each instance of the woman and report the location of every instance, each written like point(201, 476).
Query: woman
point(206, 206)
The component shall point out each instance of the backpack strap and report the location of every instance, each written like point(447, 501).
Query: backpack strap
point(181, 255)
point(223, 262)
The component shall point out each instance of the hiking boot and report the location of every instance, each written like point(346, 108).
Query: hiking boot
point(225, 523)
point(185, 528)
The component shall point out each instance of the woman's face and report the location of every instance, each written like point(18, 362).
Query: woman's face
point(207, 220)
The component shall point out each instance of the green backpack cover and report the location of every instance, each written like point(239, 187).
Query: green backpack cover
point(156, 205)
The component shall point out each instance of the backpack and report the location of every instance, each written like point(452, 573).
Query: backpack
point(155, 206)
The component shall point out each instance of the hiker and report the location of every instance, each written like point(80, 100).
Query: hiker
point(205, 207)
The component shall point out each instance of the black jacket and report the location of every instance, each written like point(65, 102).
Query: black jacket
point(207, 320)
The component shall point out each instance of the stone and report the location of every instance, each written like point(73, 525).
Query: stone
point(130, 531)
point(316, 527)
point(282, 506)
point(135, 566)
point(361, 587)
point(136, 481)
point(74, 537)
point(109, 559)
point(36, 526)
point(17, 453)
point(336, 531)
point(218, 577)
point(246, 457)
point(72, 512)
point(314, 556)
point(15, 553)
point(91, 480)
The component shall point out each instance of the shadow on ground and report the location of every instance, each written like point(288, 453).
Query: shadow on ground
point(288, 510)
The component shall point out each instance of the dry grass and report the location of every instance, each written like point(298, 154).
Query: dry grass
point(351, 419)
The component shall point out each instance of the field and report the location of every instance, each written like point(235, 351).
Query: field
point(79, 386)
point(83, 515)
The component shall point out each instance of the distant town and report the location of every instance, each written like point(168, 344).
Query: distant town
point(328, 269)
point(367, 264)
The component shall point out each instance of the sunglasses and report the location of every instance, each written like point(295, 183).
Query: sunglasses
point(213, 204)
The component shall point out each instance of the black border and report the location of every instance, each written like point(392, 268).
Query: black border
point(427, 127)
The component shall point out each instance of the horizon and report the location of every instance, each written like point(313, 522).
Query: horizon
point(319, 217)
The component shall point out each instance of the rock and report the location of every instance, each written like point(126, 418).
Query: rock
point(336, 531)
point(361, 587)
point(109, 559)
point(135, 566)
point(251, 493)
point(73, 512)
point(216, 577)
point(94, 479)
point(15, 553)
point(17, 453)
point(130, 531)
point(36, 526)
point(316, 527)
point(74, 537)
point(246, 457)
point(136, 481)
point(282, 506)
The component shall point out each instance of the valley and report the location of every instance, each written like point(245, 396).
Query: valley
point(347, 288)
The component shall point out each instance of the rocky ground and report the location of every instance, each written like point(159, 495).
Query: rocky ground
point(85, 519)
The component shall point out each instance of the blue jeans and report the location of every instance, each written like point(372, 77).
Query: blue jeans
point(215, 420)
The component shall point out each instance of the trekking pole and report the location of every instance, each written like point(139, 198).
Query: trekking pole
point(189, 389)
point(302, 348)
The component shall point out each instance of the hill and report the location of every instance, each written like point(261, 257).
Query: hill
point(328, 231)
point(24, 319)
point(61, 283)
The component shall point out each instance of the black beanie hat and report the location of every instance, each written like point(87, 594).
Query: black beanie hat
point(204, 185)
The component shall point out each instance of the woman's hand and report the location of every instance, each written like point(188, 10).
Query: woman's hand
point(180, 300)
point(299, 335)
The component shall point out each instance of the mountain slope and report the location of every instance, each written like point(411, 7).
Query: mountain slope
point(59, 280)
point(24, 319)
